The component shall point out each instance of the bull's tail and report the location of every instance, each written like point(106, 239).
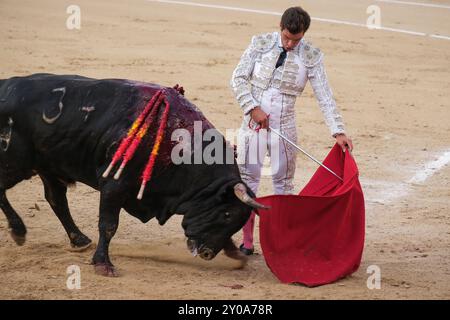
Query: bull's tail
point(3, 97)
point(8, 98)
point(14, 164)
point(14, 168)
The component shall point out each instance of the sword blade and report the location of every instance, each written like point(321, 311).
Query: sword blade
point(304, 152)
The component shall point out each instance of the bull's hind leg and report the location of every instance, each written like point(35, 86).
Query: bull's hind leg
point(110, 204)
point(55, 194)
point(16, 225)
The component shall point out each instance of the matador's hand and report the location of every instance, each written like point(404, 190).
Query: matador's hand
point(260, 117)
point(344, 141)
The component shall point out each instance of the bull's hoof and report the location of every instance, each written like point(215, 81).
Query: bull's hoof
point(246, 251)
point(231, 251)
point(105, 269)
point(80, 248)
point(18, 237)
point(236, 255)
point(18, 232)
point(79, 243)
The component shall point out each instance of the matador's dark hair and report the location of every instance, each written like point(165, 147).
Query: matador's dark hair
point(295, 20)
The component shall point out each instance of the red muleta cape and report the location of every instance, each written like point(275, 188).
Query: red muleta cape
point(316, 237)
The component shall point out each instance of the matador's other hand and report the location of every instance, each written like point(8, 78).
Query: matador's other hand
point(344, 141)
point(260, 117)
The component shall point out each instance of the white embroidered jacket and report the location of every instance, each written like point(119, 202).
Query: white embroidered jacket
point(256, 72)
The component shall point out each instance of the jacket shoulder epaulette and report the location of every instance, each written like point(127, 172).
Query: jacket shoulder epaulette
point(264, 42)
point(309, 54)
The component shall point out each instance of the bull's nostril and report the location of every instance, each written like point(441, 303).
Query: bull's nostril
point(207, 254)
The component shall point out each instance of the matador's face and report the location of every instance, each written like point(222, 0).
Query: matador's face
point(290, 40)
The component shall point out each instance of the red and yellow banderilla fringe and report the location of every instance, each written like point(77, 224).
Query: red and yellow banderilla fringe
point(138, 137)
point(147, 174)
point(131, 133)
point(136, 133)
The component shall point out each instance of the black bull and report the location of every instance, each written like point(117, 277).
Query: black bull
point(67, 128)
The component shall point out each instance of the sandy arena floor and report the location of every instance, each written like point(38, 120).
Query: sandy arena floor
point(392, 89)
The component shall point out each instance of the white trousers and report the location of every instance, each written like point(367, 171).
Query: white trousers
point(253, 146)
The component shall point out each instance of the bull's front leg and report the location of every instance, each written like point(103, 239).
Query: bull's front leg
point(110, 205)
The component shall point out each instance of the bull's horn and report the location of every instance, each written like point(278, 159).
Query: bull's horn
point(241, 193)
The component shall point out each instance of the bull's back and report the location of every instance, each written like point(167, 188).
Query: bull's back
point(70, 126)
point(67, 124)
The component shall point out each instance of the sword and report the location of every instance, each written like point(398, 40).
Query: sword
point(306, 153)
